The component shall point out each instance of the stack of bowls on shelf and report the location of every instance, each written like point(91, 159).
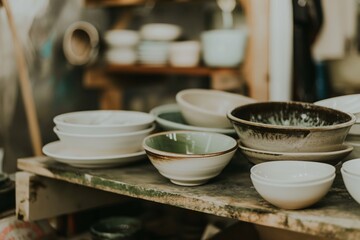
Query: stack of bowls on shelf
point(350, 171)
point(200, 110)
point(291, 131)
point(189, 158)
point(292, 184)
point(351, 104)
point(155, 42)
point(100, 138)
point(121, 46)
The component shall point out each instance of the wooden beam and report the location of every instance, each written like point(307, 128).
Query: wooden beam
point(42, 198)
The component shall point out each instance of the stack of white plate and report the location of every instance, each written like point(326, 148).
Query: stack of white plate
point(121, 45)
point(156, 39)
point(100, 138)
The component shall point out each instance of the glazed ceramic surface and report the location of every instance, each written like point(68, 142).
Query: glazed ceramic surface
point(120, 38)
point(208, 108)
point(292, 172)
point(160, 32)
point(332, 157)
point(291, 126)
point(103, 122)
point(169, 117)
point(352, 183)
point(292, 196)
point(347, 103)
point(117, 228)
point(80, 158)
point(114, 144)
point(189, 158)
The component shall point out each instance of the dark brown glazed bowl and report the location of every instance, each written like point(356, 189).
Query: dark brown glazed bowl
point(290, 126)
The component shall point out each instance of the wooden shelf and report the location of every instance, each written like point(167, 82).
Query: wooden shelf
point(126, 3)
point(231, 194)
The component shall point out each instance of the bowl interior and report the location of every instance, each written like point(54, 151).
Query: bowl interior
point(294, 114)
point(190, 143)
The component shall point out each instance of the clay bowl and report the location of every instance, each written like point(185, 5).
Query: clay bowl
point(290, 126)
point(189, 158)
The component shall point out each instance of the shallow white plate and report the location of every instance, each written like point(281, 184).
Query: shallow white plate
point(169, 117)
point(258, 156)
point(75, 157)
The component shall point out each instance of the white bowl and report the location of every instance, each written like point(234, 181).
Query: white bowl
point(121, 38)
point(347, 103)
point(292, 196)
point(160, 32)
point(126, 56)
point(208, 108)
point(224, 47)
point(352, 183)
point(189, 158)
point(292, 172)
point(103, 122)
point(184, 54)
point(109, 144)
point(352, 167)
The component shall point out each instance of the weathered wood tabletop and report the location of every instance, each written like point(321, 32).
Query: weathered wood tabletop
point(231, 194)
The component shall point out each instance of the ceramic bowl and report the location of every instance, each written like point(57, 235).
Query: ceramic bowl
point(290, 126)
point(123, 56)
point(347, 103)
point(103, 122)
point(117, 228)
point(223, 47)
point(292, 196)
point(107, 144)
point(292, 172)
point(207, 107)
point(350, 172)
point(160, 32)
point(184, 54)
point(189, 158)
point(169, 117)
point(121, 38)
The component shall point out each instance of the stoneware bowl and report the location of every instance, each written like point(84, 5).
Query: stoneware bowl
point(107, 144)
point(292, 196)
point(120, 38)
point(290, 126)
point(350, 172)
point(347, 103)
point(292, 172)
point(103, 122)
point(208, 108)
point(189, 158)
point(160, 32)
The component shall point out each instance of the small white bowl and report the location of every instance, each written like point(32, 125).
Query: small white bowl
point(109, 144)
point(189, 158)
point(125, 56)
point(292, 172)
point(103, 122)
point(352, 167)
point(292, 196)
point(160, 32)
point(184, 54)
point(207, 107)
point(121, 38)
point(352, 183)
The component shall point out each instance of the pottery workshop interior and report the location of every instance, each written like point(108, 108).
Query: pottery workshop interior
point(180, 119)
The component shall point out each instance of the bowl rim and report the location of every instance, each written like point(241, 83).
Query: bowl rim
point(330, 170)
point(236, 120)
point(124, 134)
point(151, 150)
point(182, 102)
point(305, 184)
point(59, 119)
point(347, 166)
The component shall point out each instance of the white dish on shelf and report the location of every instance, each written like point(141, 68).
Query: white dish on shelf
point(169, 117)
point(332, 157)
point(78, 158)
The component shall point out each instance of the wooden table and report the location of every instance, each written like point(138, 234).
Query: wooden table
point(231, 195)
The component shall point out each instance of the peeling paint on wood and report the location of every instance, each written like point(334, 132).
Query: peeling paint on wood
point(231, 194)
